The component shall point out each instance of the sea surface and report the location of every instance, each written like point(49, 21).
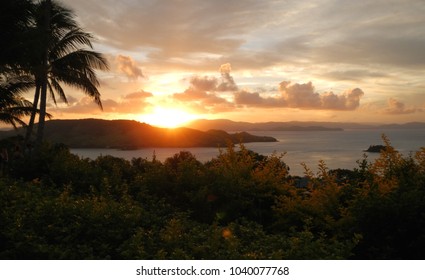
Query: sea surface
point(339, 149)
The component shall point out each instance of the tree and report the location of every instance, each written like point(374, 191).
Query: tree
point(43, 41)
point(15, 19)
point(12, 106)
point(14, 23)
point(59, 57)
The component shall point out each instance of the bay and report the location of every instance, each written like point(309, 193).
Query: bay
point(339, 149)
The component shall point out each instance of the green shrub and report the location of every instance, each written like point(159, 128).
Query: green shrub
point(240, 205)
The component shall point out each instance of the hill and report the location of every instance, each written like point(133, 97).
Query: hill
point(127, 134)
point(229, 125)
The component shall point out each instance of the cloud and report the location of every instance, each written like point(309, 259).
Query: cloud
point(225, 68)
point(82, 106)
point(204, 83)
point(265, 42)
point(207, 93)
point(227, 82)
point(353, 75)
point(375, 49)
point(254, 99)
point(212, 84)
point(260, 34)
point(348, 100)
point(166, 29)
point(133, 103)
point(204, 92)
point(299, 95)
point(129, 67)
point(396, 107)
point(361, 34)
point(202, 101)
point(138, 95)
point(302, 96)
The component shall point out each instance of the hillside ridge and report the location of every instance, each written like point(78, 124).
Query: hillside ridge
point(229, 125)
point(130, 134)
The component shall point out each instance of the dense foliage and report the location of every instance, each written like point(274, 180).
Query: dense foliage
point(43, 48)
point(240, 205)
point(130, 134)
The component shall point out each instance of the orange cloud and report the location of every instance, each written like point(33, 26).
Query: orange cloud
point(207, 93)
point(396, 107)
point(227, 82)
point(254, 99)
point(129, 67)
point(203, 102)
point(204, 83)
point(133, 103)
point(302, 96)
point(204, 93)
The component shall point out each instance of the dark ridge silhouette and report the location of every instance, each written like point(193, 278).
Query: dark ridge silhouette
point(229, 125)
point(375, 148)
point(127, 134)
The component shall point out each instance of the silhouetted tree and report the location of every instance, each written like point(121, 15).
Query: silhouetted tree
point(63, 58)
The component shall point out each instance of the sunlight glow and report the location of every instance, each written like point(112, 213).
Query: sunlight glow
point(167, 117)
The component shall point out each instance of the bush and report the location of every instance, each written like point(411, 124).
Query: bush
point(240, 205)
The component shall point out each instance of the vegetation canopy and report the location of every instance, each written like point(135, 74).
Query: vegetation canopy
point(239, 205)
point(43, 48)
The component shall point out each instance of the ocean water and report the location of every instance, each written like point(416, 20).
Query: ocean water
point(339, 149)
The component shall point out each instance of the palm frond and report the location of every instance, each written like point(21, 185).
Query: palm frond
point(77, 69)
point(61, 18)
point(56, 87)
point(71, 41)
point(83, 59)
point(52, 92)
point(6, 118)
point(13, 114)
point(16, 84)
point(79, 80)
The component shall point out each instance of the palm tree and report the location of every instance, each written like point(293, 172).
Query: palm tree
point(15, 20)
point(12, 106)
point(60, 58)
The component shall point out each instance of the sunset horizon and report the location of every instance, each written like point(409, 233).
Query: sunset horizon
point(253, 62)
point(214, 134)
point(161, 123)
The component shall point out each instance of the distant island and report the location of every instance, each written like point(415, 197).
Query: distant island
point(228, 125)
point(306, 128)
point(127, 135)
point(375, 148)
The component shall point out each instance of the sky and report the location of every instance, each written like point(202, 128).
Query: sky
point(249, 60)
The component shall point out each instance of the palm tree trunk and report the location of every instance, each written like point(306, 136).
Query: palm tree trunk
point(32, 119)
point(42, 114)
point(43, 93)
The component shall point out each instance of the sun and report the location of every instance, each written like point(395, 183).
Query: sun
point(167, 117)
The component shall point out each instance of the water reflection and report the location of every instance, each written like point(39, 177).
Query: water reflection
point(339, 149)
